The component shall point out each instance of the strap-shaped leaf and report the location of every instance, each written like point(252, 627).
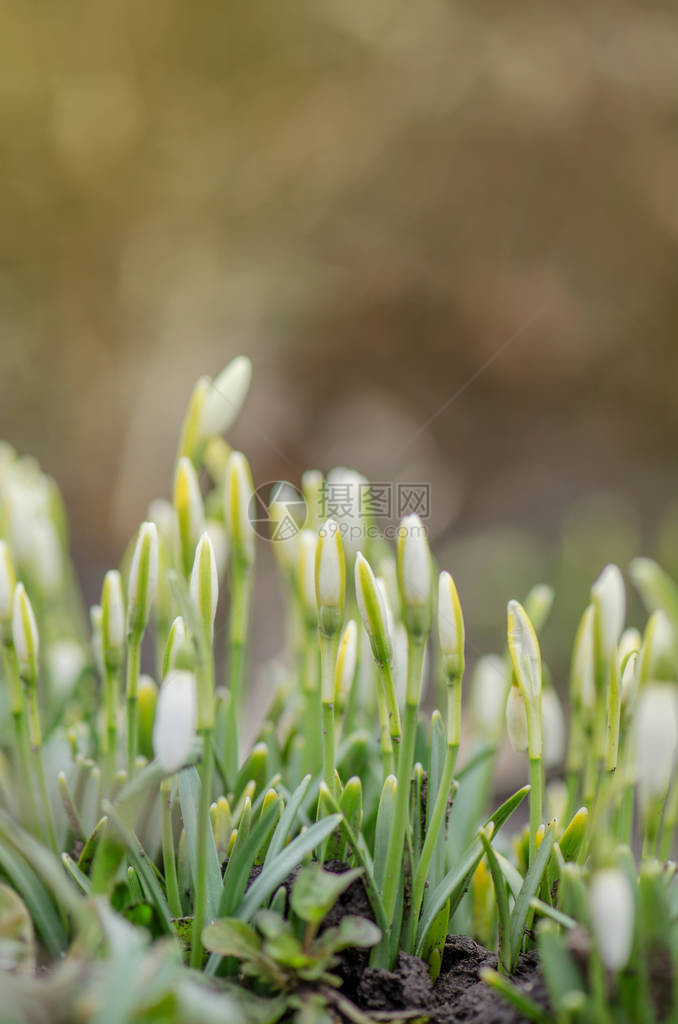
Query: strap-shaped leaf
point(530, 885)
point(241, 860)
point(189, 797)
point(286, 823)
point(140, 861)
point(36, 898)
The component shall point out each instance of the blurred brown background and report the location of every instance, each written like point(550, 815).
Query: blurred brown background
point(370, 199)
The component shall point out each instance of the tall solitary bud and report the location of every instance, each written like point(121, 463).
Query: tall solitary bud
point(143, 581)
point(330, 578)
point(204, 586)
point(451, 635)
point(25, 635)
point(175, 720)
point(238, 490)
point(609, 601)
point(112, 620)
point(189, 509)
point(225, 397)
point(373, 611)
point(612, 911)
point(414, 575)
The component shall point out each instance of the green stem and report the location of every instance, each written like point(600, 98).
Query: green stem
point(328, 659)
point(313, 754)
point(385, 743)
point(35, 734)
point(536, 801)
point(238, 640)
point(204, 825)
point(24, 753)
point(168, 858)
point(132, 688)
point(111, 735)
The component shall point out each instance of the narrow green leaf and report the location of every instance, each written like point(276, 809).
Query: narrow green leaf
point(560, 973)
point(189, 797)
point(140, 860)
point(505, 937)
point(385, 813)
point(36, 898)
point(241, 860)
point(529, 889)
point(81, 879)
point(286, 823)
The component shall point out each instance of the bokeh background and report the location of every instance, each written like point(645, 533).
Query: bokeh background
point(370, 199)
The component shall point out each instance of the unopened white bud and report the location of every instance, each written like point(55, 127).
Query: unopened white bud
point(414, 563)
point(348, 512)
point(225, 397)
point(516, 720)
point(7, 582)
point(656, 736)
point(347, 657)
point(143, 580)
point(189, 508)
point(582, 671)
point(657, 659)
point(112, 619)
point(609, 600)
point(204, 585)
point(216, 532)
point(553, 727)
point(612, 912)
point(451, 635)
point(176, 639)
point(525, 654)
point(238, 491)
point(372, 610)
point(25, 634)
point(284, 533)
point(175, 720)
point(312, 487)
point(330, 577)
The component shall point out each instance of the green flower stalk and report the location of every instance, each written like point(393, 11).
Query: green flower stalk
point(330, 590)
point(414, 581)
point(308, 649)
point(375, 616)
point(141, 591)
point(112, 650)
point(190, 512)
point(238, 490)
point(526, 661)
point(26, 647)
point(580, 760)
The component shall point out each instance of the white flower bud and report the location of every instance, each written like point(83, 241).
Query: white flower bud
point(65, 662)
point(216, 532)
point(330, 577)
point(609, 600)
point(284, 533)
point(373, 612)
point(451, 635)
point(189, 508)
point(386, 606)
point(204, 585)
point(7, 582)
point(306, 576)
point(656, 736)
point(25, 634)
point(175, 720)
point(629, 680)
point(225, 397)
point(112, 617)
point(176, 639)
point(657, 659)
point(553, 727)
point(143, 580)
point(238, 491)
point(516, 720)
point(347, 657)
point(524, 650)
point(489, 685)
point(347, 510)
point(612, 912)
point(414, 563)
point(630, 641)
point(582, 671)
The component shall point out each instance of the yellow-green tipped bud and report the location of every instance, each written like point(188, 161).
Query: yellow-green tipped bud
point(451, 636)
point(306, 576)
point(516, 720)
point(147, 696)
point(330, 578)
point(373, 611)
point(223, 827)
point(285, 536)
point(657, 659)
point(225, 397)
point(189, 509)
point(175, 720)
point(25, 634)
point(143, 581)
point(347, 657)
point(112, 620)
point(176, 641)
point(312, 485)
point(609, 601)
point(414, 575)
point(238, 490)
point(526, 661)
point(7, 582)
point(204, 587)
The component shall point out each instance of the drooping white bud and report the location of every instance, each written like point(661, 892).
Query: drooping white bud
point(238, 491)
point(7, 582)
point(225, 397)
point(609, 600)
point(612, 912)
point(143, 580)
point(372, 610)
point(451, 636)
point(516, 720)
point(656, 737)
point(175, 720)
point(204, 585)
point(188, 505)
point(330, 577)
point(553, 727)
point(25, 634)
point(284, 532)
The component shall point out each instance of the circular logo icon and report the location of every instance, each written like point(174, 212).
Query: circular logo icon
point(277, 511)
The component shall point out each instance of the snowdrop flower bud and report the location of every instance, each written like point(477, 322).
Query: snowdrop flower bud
point(96, 622)
point(414, 575)
point(347, 657)
point(343, 491)
point(582, 683)
point(176, 640)
point(25, 634)
point(526, 661)
point(553, 727)
point(538, 604)
point(225, 397)
point(112, 620)
point(489, 685)
point(284, 534)
point(656, 587)
point(306, 576)
point(216, 532)
point(609, 601)
point(189, 509)
point(450, 627)
point(612, 911)
point(313, 487)
point(7, 582)
point(372, 610)
point(330, 578)
point(656, 737)
point(238, 492)
point(516, 720)
point(175, 720)
point(657, 659)
point(143, 581)
point(629, 680)
point(629, 643)
point(204, 585)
